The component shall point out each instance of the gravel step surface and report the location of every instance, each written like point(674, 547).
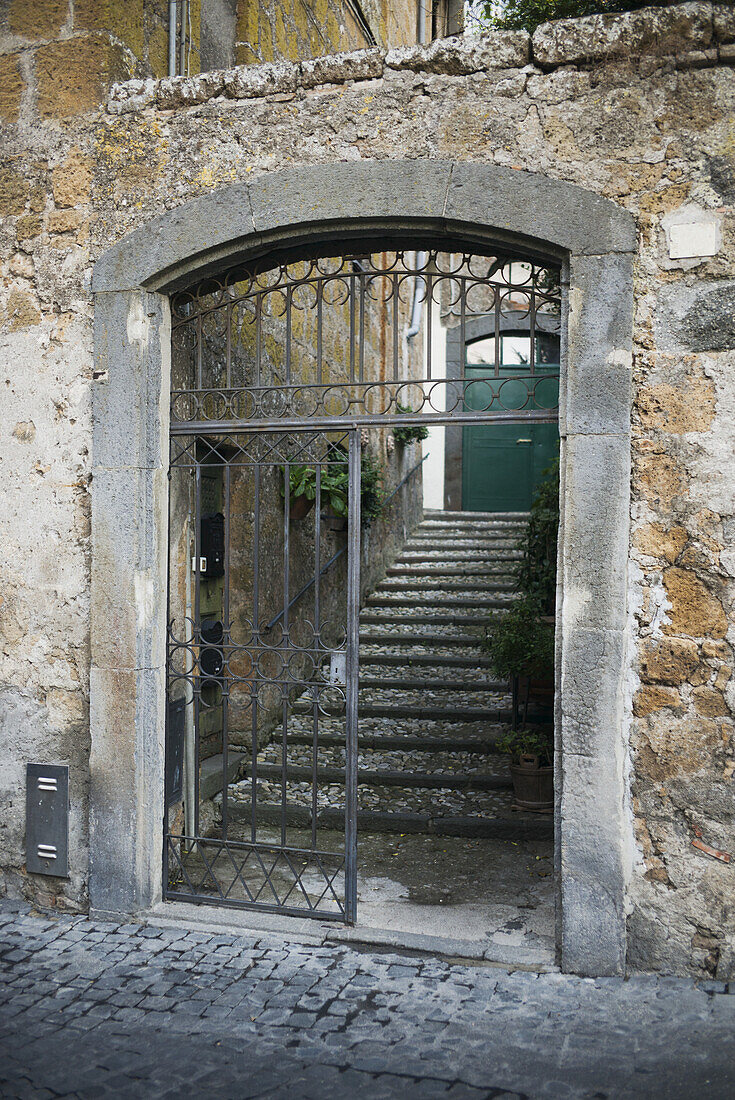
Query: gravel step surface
point(406, 776)
point(395, 760)
point(430, 803)
point(410, 646)
point(472, 677)
point(439, 661)
point(385, 627)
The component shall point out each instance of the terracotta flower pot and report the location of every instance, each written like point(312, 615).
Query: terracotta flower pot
point(334, 523)
point(533, 786)
point(299, 507)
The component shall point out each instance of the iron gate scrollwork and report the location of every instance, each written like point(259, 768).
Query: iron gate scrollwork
point(275, 371)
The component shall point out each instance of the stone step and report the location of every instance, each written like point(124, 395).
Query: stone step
point(409, 742)
point(405, 684)
point(474, 517)
point(371, 619)
point(398, 710)
point(393, 584)
point(211, 771)
point(383, 778)
point(420, 639)
point(490, 547)
point(428, 600)
point(441, 558)
point(434, 571)
point(424, 659)
point(516, 826)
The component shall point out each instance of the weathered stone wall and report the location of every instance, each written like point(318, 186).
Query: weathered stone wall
point(637, 108)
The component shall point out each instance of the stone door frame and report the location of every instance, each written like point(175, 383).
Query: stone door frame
point(595, 242)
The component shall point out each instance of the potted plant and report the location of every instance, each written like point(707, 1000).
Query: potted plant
point(302, 490)
point(520, 643)
point(531, 753)
point(334, 488)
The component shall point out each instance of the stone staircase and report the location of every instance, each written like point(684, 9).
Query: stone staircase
point(430, 710)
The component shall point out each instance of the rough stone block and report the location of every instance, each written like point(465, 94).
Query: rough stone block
point(72, 180)
point(252, 81)
point(723, 18)
point(535, 206)
point(598, 391)
point(127, 717)
point(659, 31)
point(459, 56)
point(700, 317)
point(669, 660)
point(594, 552)
point(14, 191)
point(130, 392)
point(122, 18)
point(73, 75)
point(653, 697)
point(695, 610)
point(11, 88)
point(132, 95)
point(128, 607)
point(39, 19)
point(187, 91)
point(340, 67)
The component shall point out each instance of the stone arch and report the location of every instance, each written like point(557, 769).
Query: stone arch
point(545, 218)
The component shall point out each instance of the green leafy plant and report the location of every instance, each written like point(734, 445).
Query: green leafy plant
point(407, 435)
point(335, 483)
point(372, 493)
point(520, 642)
point(536, 572)
point(529, 742)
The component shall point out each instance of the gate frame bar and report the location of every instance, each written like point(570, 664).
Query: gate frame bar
point(457, 204)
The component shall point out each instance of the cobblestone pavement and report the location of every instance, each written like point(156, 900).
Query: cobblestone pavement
point(94, 1009)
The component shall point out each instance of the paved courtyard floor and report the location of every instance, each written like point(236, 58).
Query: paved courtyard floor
point(96, 1009)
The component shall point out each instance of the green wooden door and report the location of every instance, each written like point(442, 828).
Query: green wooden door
point(502, 463)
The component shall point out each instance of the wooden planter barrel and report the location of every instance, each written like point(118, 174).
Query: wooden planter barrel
point(533, 786)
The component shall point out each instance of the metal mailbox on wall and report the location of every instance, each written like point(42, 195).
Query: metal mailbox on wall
point(47, 819)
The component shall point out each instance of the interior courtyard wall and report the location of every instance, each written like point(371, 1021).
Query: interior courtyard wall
point(636, 108)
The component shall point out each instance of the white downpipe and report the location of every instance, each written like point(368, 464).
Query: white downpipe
point(421, 36)
point(419, 294)
point(172, 20)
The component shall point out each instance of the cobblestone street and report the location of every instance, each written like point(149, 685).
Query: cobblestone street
point(94, 1009)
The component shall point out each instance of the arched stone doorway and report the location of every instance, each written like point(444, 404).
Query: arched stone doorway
point(593, 241)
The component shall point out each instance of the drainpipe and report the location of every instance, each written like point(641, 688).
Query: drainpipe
point(422, 23)
point(182, 37)
point(419, 294)
point(172, 6)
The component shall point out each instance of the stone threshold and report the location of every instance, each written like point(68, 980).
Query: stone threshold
point(219, 920)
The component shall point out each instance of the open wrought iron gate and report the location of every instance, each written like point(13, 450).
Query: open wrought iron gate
point(260, 651)
point(279, 371)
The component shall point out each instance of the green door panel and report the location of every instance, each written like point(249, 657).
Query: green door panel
point(502, 463)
